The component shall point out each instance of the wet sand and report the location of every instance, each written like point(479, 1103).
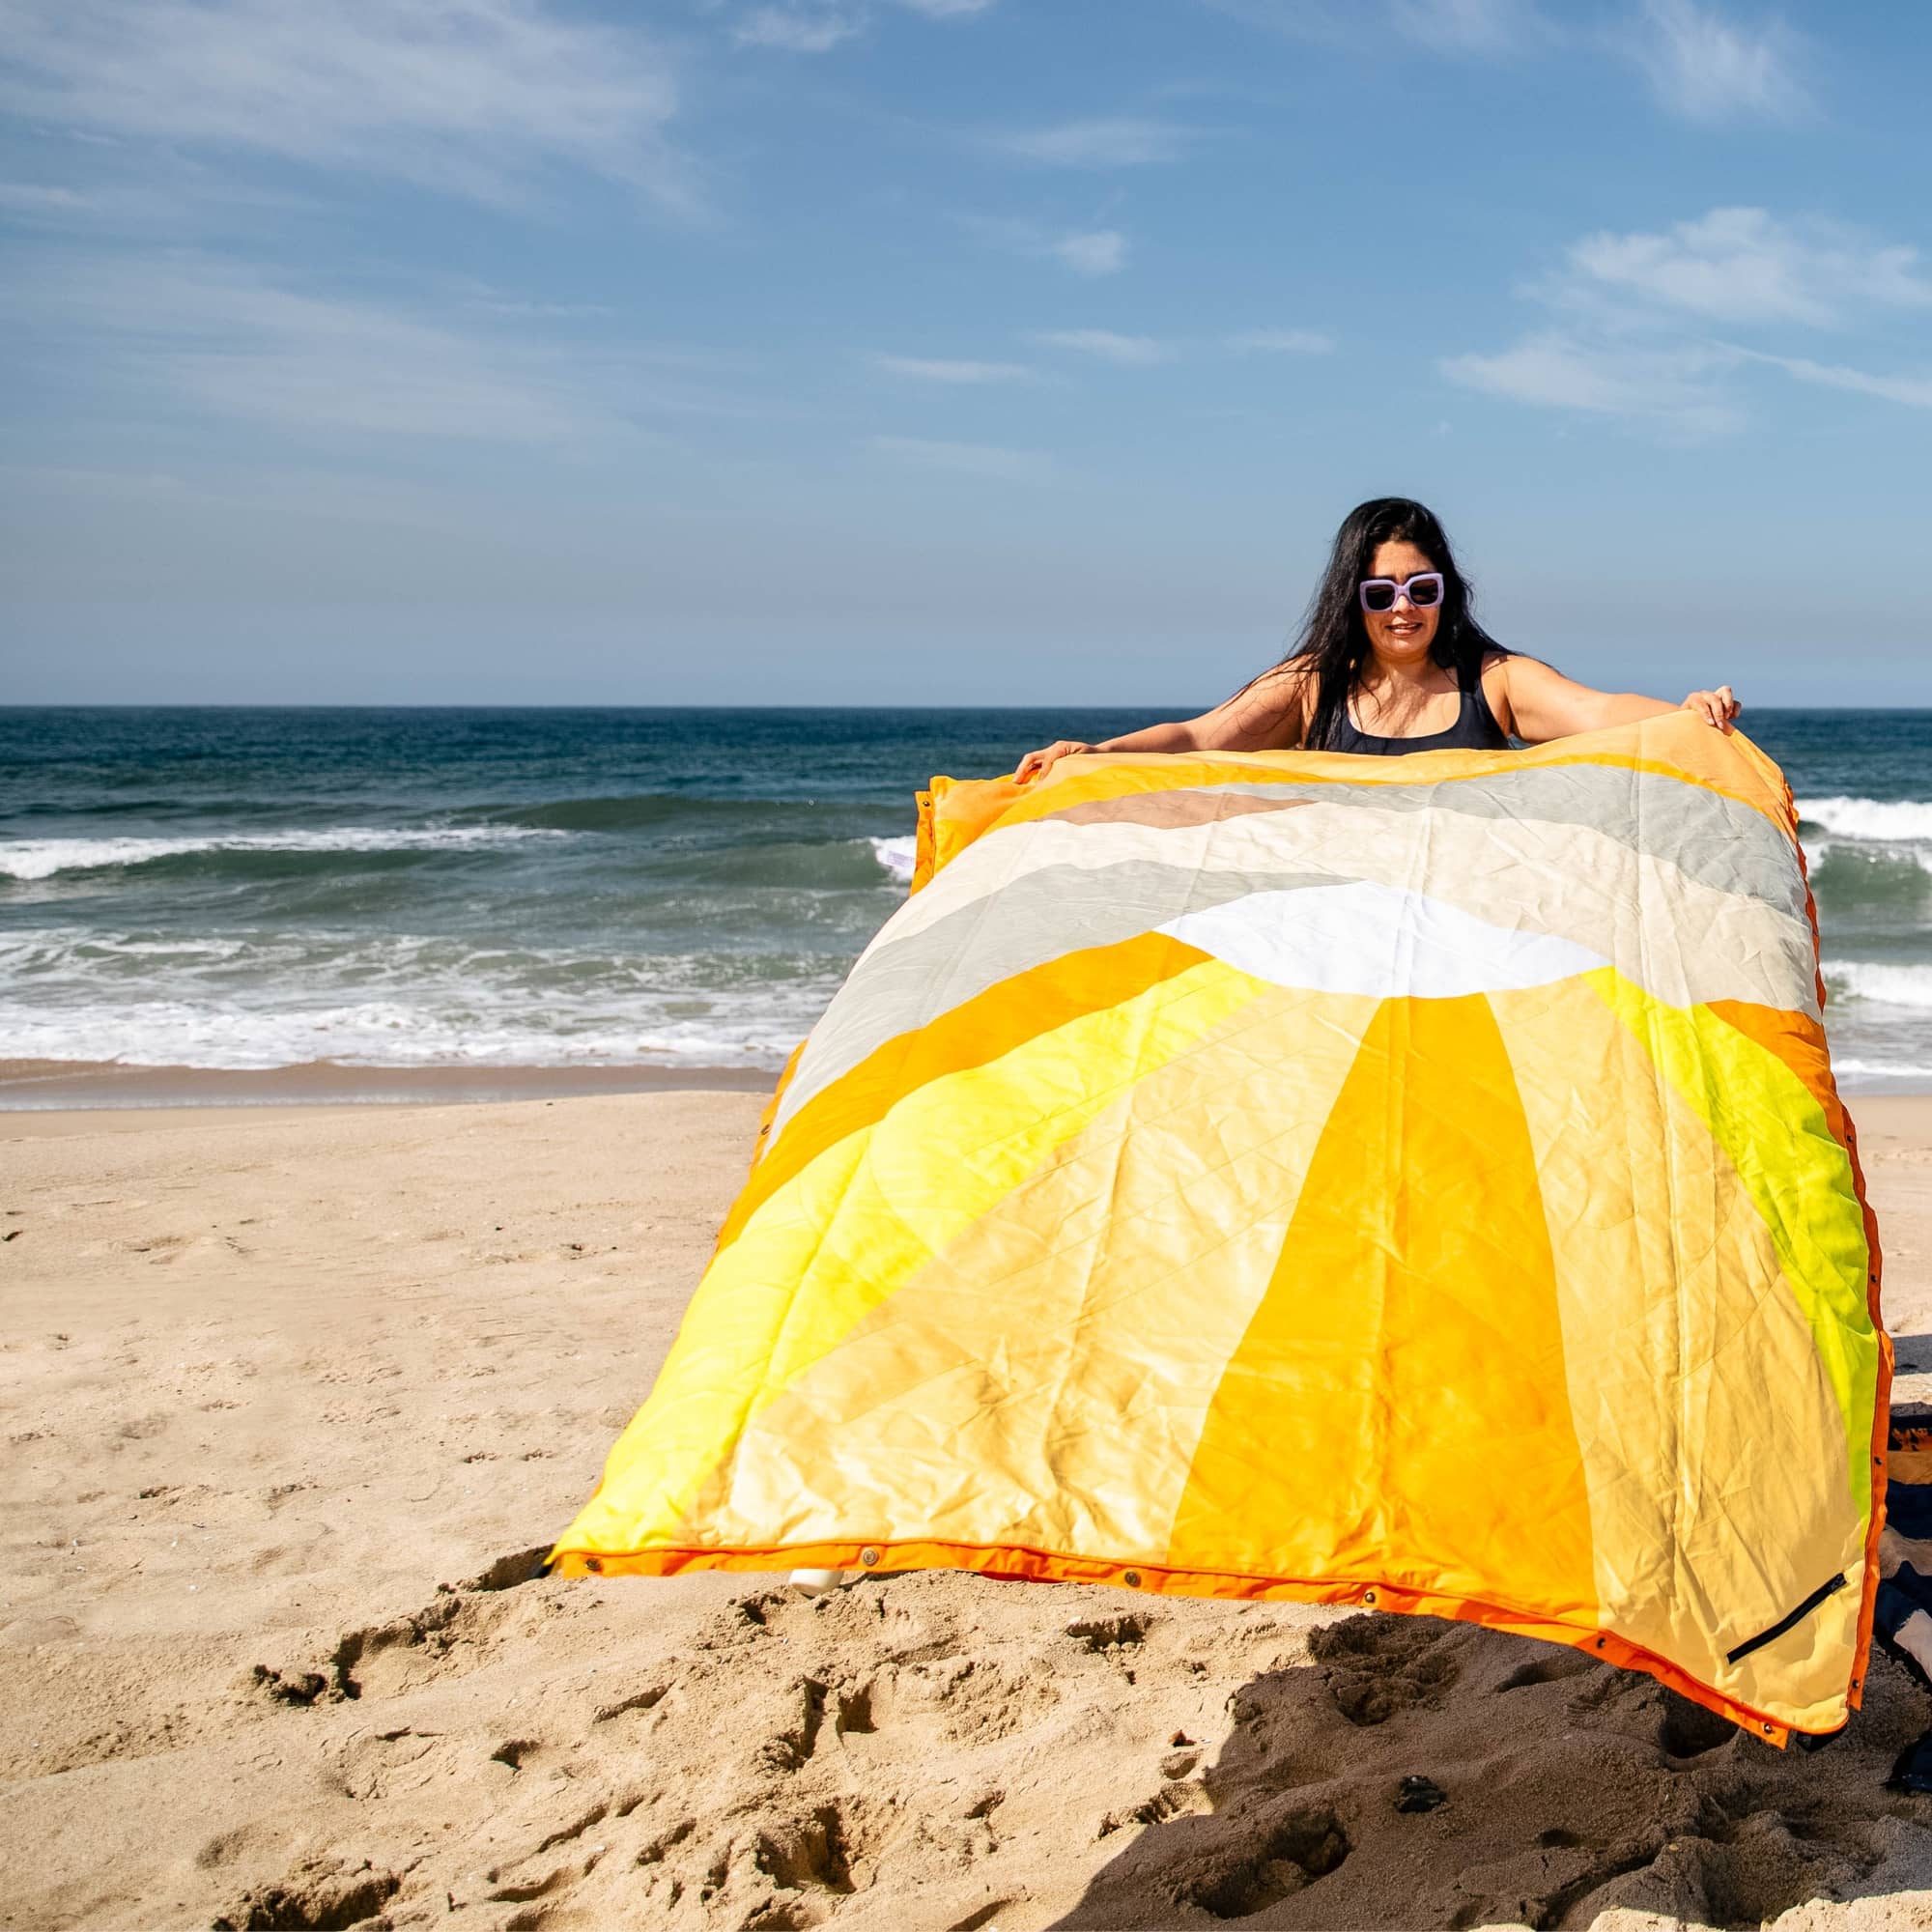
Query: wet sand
point(51, 1086)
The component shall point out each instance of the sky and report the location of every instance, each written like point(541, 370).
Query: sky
point(949, 352)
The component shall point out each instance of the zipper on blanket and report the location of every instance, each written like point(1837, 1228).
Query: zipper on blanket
point(1772, 1632)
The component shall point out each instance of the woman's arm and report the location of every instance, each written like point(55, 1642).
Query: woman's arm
point(1544, 703)
point(1261, 715)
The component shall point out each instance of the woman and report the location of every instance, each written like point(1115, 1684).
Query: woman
point(1392, 659)
point(1391, 643)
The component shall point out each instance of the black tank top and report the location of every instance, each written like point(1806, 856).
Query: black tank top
point(1475, 729)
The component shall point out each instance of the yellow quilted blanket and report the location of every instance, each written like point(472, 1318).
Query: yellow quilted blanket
point(1414, 1183)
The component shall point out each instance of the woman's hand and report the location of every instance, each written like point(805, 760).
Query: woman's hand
point(1715, 707)
point(1036, 764)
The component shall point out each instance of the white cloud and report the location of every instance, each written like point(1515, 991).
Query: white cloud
point(1324, 21)
point(230, 344)
point(818, 26)
point(920, 369)
point(1669, 387)
point(1282, 342)
point(1093, 252)
point(1741, 265)
point(1103, 251)
point(30, 198)
point(95, 482)
point(1700, 63)
point(473, 97)
point(797, 30)
point(1704, 66)
point(1485, 28)
point(543, 311)
point(1126, 352)
point(1635, 307)
point(1119, 141)
point(1913, 391)
point(991, 461)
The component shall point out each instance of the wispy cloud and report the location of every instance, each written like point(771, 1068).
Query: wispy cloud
point(922, 369)
point(1494, 28)
point(1118, 141)
point(1699, 62)
point(1105, 345)
point(479, 98)
point(1087, 251)
point(1703, 66)
point(1280, 342)
point(1668, 389)
point(543, 311)
point(1913, 391)
point(1635, 311)
point(31, 198)
point(188, 330)
point(992, 461)
point(1741, 264)
point(139, 483)
point(799, 29)
point(818, 26)
point(1484, 28)
point(1099, 251)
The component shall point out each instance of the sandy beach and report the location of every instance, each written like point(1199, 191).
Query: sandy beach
point(295, 1398)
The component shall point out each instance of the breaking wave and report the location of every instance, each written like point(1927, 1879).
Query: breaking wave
point(43, 858)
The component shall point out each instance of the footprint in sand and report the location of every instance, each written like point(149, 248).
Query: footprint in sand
point(447, 1638)
point(318, 1892)
point(1378, 1665)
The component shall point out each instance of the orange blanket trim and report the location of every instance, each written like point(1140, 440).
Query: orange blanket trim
point(946, 827)
point(1874, 1297)
point(1150, 1579)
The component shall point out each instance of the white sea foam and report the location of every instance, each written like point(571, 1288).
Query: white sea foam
point(148, 999)
point(42, 857)
point(1895, 820)
point(392, 1033)
point(897, 856)
point(1880, 984)
point(1847, 1067)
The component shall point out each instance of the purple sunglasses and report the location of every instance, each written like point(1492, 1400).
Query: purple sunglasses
point(1424, 590)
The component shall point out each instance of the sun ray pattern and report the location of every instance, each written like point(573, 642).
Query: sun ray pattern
point(1414, 1183)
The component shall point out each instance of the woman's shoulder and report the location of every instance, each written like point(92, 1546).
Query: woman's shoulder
point(1289, 688)
point(1492, 674)
point(1291, 674)
point(1268, 711)
point(1494, 670)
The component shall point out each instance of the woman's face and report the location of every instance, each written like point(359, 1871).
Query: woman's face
point(1404, 635)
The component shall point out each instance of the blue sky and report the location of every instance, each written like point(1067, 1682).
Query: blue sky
point(948, 351)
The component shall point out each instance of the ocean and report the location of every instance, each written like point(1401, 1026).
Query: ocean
point(681, 890)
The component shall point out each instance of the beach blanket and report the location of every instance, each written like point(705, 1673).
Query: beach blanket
point(1411, 1182)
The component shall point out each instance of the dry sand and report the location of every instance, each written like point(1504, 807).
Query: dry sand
point(294, 1399)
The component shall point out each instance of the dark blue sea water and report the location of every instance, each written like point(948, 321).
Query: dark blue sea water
point(233, 888)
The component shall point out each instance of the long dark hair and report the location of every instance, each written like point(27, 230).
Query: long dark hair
point(1334, 642)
